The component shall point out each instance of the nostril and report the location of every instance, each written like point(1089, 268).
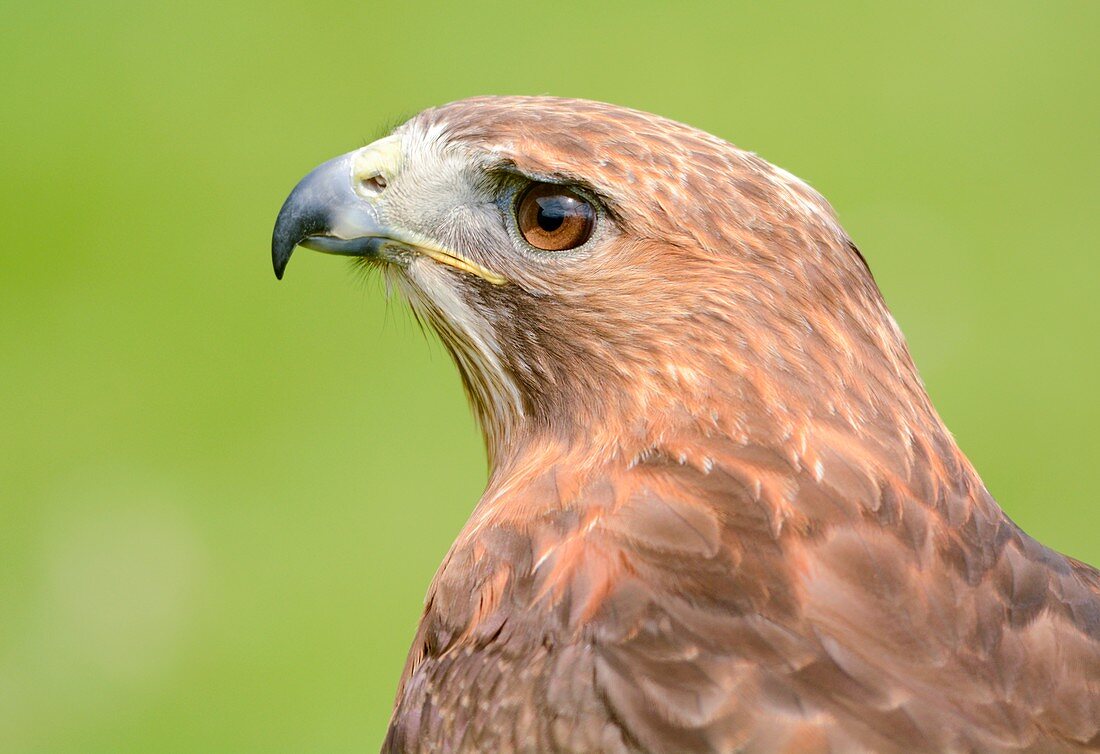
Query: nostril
point(373, 184)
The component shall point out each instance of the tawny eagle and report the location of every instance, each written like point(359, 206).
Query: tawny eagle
point(722, 513)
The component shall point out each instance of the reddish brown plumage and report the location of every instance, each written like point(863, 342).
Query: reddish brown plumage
point(724, 515)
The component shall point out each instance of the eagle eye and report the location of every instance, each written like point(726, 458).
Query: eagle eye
point(554, 218)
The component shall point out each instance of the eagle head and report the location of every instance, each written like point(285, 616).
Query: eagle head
point(604, 273)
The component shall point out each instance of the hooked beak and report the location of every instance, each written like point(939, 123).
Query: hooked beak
point(326, 212)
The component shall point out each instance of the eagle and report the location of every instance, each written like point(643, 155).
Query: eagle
point(722, 514)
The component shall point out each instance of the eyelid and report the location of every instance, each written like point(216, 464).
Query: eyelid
point(510, 173)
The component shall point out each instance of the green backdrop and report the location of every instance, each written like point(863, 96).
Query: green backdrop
point(222, 497)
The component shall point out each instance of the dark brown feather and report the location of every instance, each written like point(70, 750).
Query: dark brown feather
point(668, 617)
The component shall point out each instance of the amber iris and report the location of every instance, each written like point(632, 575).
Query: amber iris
point(554, 218)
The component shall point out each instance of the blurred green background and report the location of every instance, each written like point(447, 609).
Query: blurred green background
point(222, 498)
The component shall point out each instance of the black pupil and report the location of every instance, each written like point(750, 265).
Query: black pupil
point(553, 210)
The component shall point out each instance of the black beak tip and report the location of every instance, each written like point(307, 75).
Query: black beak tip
point(278, 262)
point(288, 232)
